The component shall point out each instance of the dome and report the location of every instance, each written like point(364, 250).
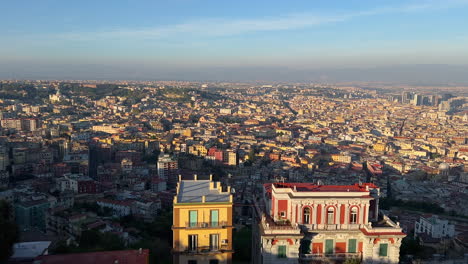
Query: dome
point(444, 166)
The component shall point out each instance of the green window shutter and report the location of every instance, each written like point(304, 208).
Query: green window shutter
point(352, 245)
point(383, 250)
point(193, 218)
point(281, 251)
point(214, 217)
point(329, 248)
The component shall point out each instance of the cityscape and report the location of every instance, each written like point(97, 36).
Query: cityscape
point(222, 172)
point(234, 132)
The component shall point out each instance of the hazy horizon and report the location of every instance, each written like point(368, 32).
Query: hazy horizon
point(417, 41)
point(403, 74)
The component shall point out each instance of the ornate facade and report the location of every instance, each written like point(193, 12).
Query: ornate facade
point(309, 223)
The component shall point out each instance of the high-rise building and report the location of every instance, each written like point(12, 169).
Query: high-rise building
point(202, 225)
point(168, 169)
point(309, 223)
point(406, 97)
point(417, 99)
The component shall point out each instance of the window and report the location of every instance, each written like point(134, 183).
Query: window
point(331, 216)
point(214, 261)
point(193, 218)
point(283, 214)
point(306, 216)
point(214, 218)
point(383, 250)
point(353, 217)
point(352, 245)
point(329, 247)
point(281, 251)
point(193, 242)
point(214, 242)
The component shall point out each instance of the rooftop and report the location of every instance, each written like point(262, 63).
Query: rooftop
point(199, 191)
point(29, 249)
point(311, 187)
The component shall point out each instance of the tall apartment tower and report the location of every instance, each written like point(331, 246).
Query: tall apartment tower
point(406, 97)
point(202, 224)
point(309, 223)
point(168, 169)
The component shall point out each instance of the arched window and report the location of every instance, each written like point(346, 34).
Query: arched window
point(331, 215)
point(353, 216)
point(306, 216)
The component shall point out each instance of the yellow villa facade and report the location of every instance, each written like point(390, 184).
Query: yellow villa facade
point(202, 223)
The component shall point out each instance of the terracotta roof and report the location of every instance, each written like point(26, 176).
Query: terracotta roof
point(310, 187)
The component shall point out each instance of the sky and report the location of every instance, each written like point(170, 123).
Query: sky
point(328, 40)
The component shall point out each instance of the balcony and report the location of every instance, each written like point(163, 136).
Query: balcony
point(332, 256)
point(383, 225)
point(332, 226)
point(208, 250)
point(271, 227)
point(199, 225)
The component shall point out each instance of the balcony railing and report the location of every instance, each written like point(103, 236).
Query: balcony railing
point(221, 224)
point(333, 226)
point(208, 249)
point(322, 256)
point(271, 227)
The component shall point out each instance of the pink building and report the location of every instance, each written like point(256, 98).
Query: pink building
point(310, 223)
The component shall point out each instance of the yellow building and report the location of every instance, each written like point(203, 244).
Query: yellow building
point(198, 150)
point(380, 147)
point(343, 158)
point(202, 224)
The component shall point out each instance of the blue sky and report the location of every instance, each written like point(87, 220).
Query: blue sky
point(184, 34)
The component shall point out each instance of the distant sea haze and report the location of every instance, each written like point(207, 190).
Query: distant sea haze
point(427, 74)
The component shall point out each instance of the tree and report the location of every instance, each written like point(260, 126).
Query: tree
point(111, 241)
point(305, 246)
point(89, 239)
point(242, 244)
point(8, 231)
point(252, 155)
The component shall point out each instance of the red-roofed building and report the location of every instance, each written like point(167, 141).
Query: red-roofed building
point(103, 257)
point(333, 222)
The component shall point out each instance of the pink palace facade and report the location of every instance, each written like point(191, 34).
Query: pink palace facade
point(310, 223)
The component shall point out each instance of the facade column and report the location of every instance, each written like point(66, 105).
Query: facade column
point(346, 214)
point(293, 213)
point(365, 215)
point(338, 214)
point(324, 212)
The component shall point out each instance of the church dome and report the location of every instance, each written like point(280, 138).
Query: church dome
point(444, 166)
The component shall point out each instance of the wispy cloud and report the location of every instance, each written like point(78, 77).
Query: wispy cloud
point(220, 27)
